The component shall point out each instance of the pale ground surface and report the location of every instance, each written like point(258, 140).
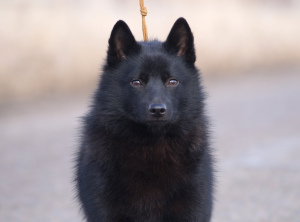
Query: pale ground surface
point(256, 134)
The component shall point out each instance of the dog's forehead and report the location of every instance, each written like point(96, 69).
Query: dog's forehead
point(155, 61)
point(154, 58)
point(155, 66)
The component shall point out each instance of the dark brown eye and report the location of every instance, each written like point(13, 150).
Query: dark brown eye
point(136, 82)
point(173, 82)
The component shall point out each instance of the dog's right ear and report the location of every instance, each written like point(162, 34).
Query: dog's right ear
point(121, 44)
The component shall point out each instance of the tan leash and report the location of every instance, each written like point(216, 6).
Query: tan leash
point(144, 13)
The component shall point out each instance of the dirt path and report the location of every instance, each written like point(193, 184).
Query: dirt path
point(256, 135)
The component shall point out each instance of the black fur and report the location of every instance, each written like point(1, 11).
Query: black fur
point(138, 164)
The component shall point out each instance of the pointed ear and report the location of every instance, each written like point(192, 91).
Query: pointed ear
point(121, 44)
point(181, 41)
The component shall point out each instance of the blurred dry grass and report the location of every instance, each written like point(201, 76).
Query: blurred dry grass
point(58, 46)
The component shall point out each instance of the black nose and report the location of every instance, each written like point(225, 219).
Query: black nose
point(157, 110)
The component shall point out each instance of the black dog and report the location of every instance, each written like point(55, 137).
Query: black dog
point(145, 155)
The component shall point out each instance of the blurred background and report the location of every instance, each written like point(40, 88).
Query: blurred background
point(51, 52)
point(58, 46)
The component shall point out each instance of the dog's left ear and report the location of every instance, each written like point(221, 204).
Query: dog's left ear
point(181, 41)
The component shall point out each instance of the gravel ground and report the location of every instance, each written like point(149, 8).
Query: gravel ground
point(256, 135)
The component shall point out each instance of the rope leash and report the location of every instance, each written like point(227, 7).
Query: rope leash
point(144, 13)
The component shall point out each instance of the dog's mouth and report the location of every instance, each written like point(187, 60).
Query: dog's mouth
point(157, 121)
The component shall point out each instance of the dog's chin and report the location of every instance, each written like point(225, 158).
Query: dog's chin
point(157, 122)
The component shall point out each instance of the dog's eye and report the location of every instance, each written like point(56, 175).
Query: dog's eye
point(136, 83)
point(173, 82)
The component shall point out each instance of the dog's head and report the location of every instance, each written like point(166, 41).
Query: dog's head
point(153, 83)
